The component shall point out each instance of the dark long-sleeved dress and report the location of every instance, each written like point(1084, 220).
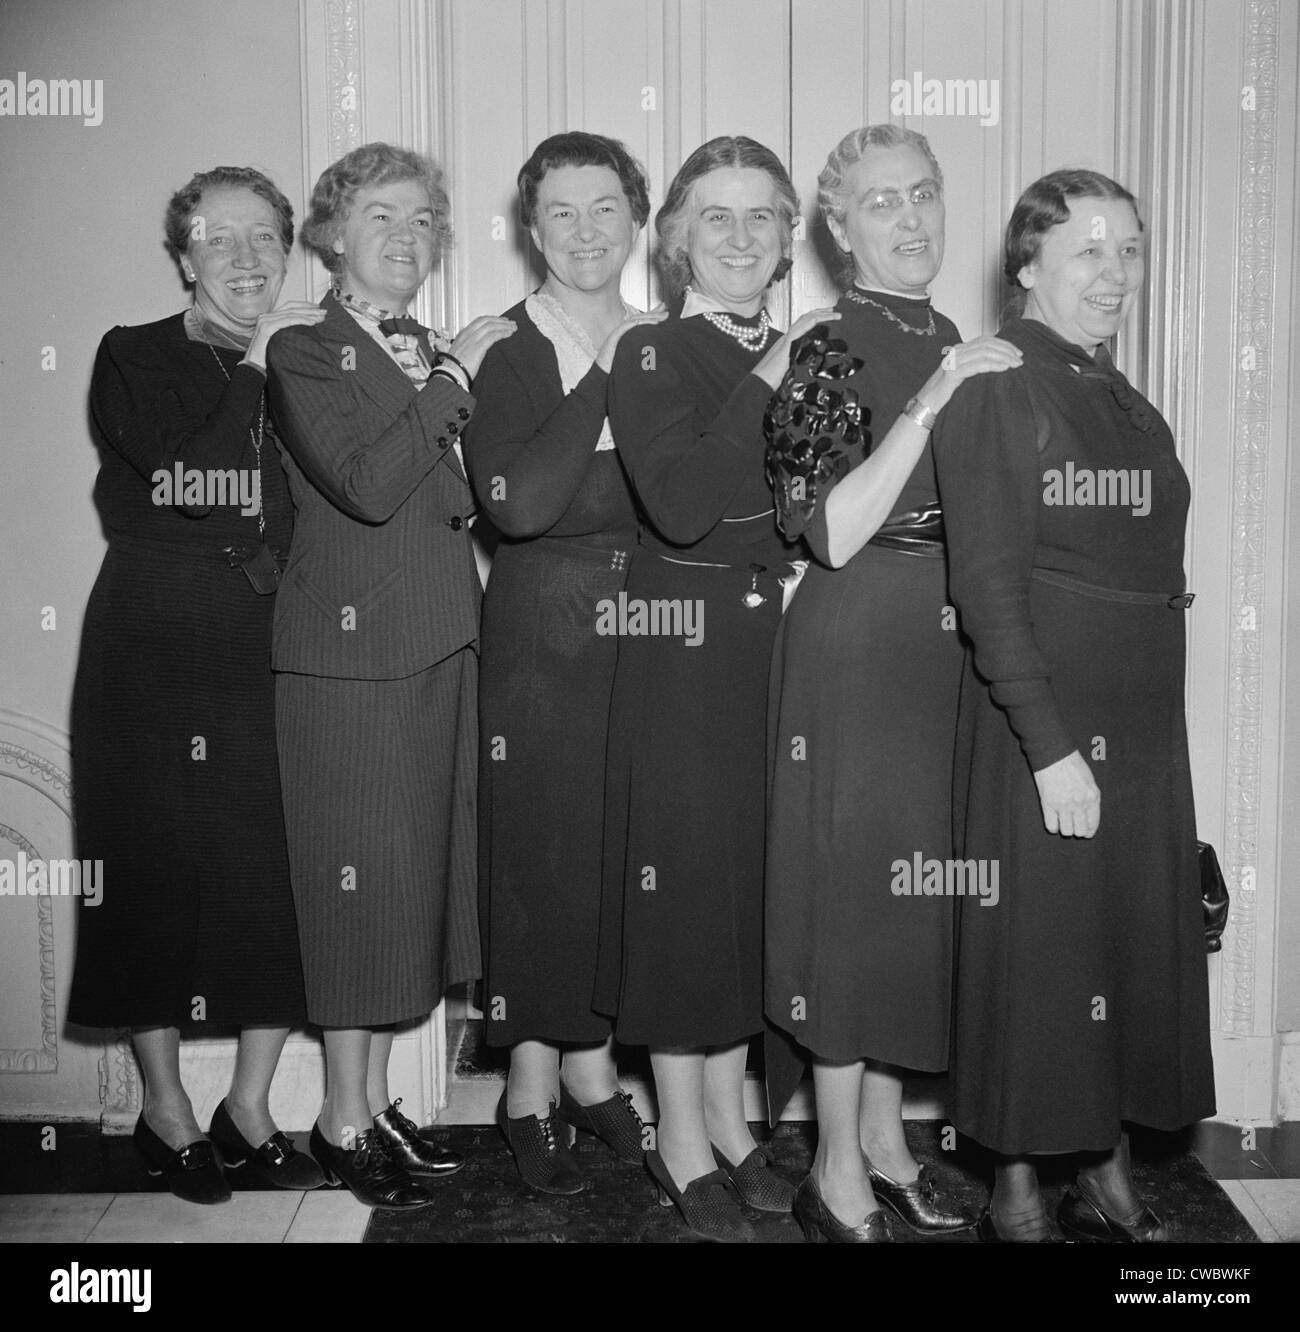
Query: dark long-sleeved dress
point(173, 723)
point(865, 678)
point(1082, 996)
point(568, 527)
point(681, 924)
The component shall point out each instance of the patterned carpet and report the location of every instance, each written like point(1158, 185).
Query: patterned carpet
point(487, 1201)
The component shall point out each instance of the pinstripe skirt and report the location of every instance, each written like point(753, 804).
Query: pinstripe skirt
point(378, 779)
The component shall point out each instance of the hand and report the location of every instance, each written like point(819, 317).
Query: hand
point(773, 366)
point(979, 356)
point(1071, 799)
point(472, 342)
point(291, 312)
point(605, 356)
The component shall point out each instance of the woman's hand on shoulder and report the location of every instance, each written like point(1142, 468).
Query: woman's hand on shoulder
point(776, 362)
point(472, 342)
point(980, 356)
point(605, 356)
point(283, 316)
point(1070, 797)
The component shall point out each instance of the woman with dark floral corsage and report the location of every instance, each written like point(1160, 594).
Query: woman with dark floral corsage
point(864, 697)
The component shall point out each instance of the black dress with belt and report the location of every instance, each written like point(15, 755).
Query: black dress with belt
point(1082, 995)
point(865, 678)
point(173, 723)
point(681, 925)
point(568, 527)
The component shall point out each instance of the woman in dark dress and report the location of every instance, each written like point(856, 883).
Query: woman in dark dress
point(1082, 997)
point(865, 678)
point(374, 650)
point(681, 924)
point(544, 468)
point(173, 728)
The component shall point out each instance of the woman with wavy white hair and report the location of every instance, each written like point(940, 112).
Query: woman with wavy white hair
point(865, 680)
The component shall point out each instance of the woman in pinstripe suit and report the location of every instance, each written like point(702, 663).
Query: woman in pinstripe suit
point(374, 649)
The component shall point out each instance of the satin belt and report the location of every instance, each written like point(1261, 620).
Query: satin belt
point(917, 532)
point(1178, 601)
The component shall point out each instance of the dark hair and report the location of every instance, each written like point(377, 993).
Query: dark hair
point(577, 148)
point(847, 154)
point(1044, 205)
point(671, 221)
point(181, 206)
point(371, 164)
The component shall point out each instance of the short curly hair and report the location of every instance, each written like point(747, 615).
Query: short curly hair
point(363, 168)
point(1046, 204)
point(673, 223)
point(577, 148)
point(179, 220)
point(846, 154)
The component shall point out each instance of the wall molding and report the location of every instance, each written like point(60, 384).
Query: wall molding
point(45, 1058)
point(1238, 1001)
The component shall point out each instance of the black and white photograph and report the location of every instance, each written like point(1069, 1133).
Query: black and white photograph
point(650, 622)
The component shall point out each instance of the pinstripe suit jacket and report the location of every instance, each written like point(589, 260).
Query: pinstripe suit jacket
point(381, 581)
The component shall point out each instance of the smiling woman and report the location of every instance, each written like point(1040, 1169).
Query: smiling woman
point(374, 649)
point(172, 713)
point(680, 963)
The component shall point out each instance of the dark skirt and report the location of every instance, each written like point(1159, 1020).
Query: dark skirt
point(379, 802)
point(865, 681)
point(544, 703)
point(177, 792)
point(1082, 997)
point(681, 921)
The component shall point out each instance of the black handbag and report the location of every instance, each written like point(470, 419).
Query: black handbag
point(1214, 896)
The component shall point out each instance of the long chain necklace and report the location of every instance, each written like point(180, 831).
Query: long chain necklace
point(257, 441)
point(855, 295)
point(751, 339)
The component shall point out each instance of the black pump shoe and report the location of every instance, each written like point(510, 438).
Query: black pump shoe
point(1083, 1220)
point(369, 1171)
point(704, 1204)
point(615, 1122)
point(411, 1149)
point(821, 1226)
point(541, 1150)
point(762, 1188)
point(193, 1173)
point(276, 1161)
point(918, 1204)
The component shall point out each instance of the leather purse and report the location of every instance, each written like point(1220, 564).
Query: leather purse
point(1214, 896)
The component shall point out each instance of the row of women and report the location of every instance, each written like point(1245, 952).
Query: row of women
point(732, 768)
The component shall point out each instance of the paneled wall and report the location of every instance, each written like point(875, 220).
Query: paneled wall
point(1191, 104)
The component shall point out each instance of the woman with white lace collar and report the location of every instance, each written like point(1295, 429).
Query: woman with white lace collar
point(545, 471)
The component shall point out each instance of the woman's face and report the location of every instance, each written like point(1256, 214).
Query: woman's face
point(583, 226)
point(235, 257)
point(388, 244)
point(735, 238)
point(893, 220)
point(1088, 271)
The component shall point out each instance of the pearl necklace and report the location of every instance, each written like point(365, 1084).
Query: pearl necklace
point(855, 295)
point(751, 339)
